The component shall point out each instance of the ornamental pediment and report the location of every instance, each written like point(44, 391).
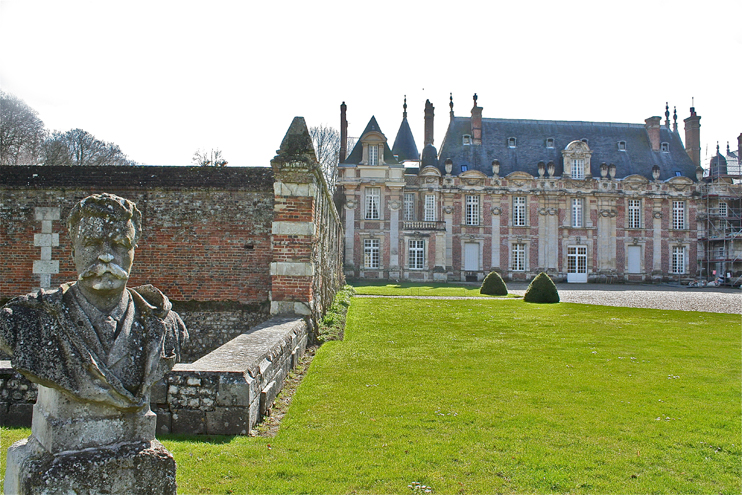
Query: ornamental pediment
point(679, 183)
point(430, 171)
point(635, 182)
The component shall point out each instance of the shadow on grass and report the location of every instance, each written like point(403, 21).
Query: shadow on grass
point(209, 439)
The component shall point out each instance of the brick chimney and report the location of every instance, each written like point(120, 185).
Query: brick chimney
point(693, 137)
point(429, 114)
point(476, 122)
point(652, 125)
point(343, 133)
point(739, 148)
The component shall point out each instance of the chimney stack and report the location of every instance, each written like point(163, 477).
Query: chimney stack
point(739, 148)
point(476, 122)
point(693, 137)
point(429, 114)
point(652, 125)
point(343, 133)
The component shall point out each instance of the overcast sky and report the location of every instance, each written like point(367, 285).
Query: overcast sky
point(162, 79)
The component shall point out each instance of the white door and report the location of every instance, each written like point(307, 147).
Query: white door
point(471, 257)
point(577, 264)
point(635, 265)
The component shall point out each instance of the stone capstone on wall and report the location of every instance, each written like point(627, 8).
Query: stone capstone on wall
point(229, 390)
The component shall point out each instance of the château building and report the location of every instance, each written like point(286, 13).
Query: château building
point(582, 201)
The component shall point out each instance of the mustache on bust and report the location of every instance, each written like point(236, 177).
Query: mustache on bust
point(99, 269)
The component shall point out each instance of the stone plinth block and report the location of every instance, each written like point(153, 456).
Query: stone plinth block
point(142, 468)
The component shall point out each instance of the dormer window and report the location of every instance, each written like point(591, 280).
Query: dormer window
point(550, 142)
point(467, 140)
point(578, 168)
point(464, 168)
point(511, 142)
point(373, 154)
point(577, 160)
point(622, 146)
point(665, 147)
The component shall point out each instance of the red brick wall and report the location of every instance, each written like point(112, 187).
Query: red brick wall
point(206, 232)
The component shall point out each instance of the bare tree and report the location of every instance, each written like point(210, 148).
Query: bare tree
point(21, 132)
point(326, 142)
point(213, 158)
point(77, 147)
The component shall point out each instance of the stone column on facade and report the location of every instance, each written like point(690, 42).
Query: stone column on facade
point(496, 216)
point(395, 205)
point(606, 235)
point(657, 236)
point(447, 199)
point(351, 204)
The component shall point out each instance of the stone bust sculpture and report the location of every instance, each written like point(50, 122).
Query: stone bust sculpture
point(95, 340)
point(95, 348)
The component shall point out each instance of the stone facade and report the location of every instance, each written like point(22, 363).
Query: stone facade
point(582, 201)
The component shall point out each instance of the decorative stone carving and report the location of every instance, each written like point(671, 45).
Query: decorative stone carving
point(95, 348)
point(496, 210)
point(657, 214)
point(351, 204)
point(608, 213)
point(394, 205)
point(448, 209)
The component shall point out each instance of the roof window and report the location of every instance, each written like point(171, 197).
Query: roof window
point(665, 147)
point(622, 146)
point(464, 168)
point(549, 142)
point(467, 140)
point(511, 142)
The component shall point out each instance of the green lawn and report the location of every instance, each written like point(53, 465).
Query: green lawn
point(446, 289)
point(487, 396)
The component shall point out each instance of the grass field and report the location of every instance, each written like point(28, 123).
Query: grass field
point(488, 396)
point(385, 288)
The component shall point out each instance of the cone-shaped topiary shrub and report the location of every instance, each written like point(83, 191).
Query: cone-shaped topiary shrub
point(542, 290)
point(493, 285)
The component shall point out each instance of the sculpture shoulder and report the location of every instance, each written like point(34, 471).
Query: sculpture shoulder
point(21, 318)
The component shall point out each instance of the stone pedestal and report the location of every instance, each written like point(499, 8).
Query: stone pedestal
point(86, 448)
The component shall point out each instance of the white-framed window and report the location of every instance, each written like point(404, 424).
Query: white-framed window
point(408, 210)
point(678, 215)
point(373, 203)
point(472, 210)
point(678, 260)
point(371, 253)
point(467, 140)
point(577, 213)
point(622, 146)
point(416, 254)
point(723, 209)
point(665, 147)
point(635, 213)
point(519, 211)
point(373, 154)
point(518, 257)
point(429, 208)
point(511, 142)
point(549, 142)
point(578, 168)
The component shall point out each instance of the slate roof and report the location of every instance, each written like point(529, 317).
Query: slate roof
point(531, 137)
point(356, 155)
point(404, 144)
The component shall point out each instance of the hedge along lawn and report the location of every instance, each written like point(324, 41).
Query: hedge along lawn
point(487, 396)
point(385, 288)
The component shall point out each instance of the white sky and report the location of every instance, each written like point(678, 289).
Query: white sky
point(162, 79)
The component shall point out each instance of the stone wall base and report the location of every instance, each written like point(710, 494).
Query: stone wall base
point(130, 468)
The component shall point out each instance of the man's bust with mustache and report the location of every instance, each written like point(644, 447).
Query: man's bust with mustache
point(96, 340)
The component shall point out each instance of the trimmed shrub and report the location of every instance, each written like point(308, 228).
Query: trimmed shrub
point(493, 285)
point(542, 290)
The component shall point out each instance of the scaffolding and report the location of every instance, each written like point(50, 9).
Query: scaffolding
point(722, 236)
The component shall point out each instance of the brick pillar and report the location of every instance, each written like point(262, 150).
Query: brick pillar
point(295, 190)
point(652, 125)
point(693, 137)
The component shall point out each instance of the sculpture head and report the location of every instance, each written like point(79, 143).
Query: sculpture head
point(104, 230)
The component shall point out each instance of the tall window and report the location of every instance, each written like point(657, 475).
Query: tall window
point(472, 210)
point(430, 207)
point(416, 254)
point(373, 154)
point(635, 215)
point(678, 259)
point(371, 253)
point(519, 211)
point(678, 215)
point(578, 168)
point(577, 212)
point(722, 209)
point(373, 200)
point(518, 257)
point(409, 206)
